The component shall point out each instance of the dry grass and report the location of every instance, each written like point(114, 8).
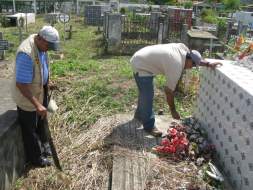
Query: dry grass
point(87, 160)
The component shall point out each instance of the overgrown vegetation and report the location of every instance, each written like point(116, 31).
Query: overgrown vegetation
point(209, 16)
point(188, 4)
point(89, 80)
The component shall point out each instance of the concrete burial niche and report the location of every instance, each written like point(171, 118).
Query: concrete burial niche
point(14, 20)
point(11, 143)
point(225, 110)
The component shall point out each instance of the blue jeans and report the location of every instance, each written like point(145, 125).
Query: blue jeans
point(144, 111)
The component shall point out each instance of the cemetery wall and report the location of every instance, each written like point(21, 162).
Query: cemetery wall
point(224, 108)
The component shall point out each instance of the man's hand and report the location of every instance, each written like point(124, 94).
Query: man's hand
point(175, 114)
point(41, 110)
point(214, 65)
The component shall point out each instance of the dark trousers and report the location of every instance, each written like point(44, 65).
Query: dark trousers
point(33, 132)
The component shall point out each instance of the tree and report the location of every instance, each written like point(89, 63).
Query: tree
point(231, 5)
point(213, 3)
point(188, 4)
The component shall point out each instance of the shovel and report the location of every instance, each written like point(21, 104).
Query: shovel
point(50, 139)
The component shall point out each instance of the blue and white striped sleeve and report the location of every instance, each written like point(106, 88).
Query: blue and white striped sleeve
point(24, 68)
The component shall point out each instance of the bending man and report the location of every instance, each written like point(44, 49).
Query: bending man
point(164, 59)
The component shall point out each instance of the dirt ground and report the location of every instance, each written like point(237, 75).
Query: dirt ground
point(6, 69)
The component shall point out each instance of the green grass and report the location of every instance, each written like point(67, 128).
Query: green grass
point(93, 85)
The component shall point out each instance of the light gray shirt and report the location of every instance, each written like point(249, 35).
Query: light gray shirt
point(164, 59)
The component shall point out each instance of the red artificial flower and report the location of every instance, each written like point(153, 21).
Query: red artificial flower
point(172, 132)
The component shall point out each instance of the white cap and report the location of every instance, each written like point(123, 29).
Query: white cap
point(196, 57)
point(51, 35)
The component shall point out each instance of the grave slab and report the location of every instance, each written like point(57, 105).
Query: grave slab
point(6, 101)
point(131, 162)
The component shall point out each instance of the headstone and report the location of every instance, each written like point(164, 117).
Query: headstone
point(114, 32)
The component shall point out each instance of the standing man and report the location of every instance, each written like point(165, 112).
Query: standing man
point(30, 90)
point(166, 59)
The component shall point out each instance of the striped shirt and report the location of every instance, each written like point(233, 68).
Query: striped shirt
point(24, 68)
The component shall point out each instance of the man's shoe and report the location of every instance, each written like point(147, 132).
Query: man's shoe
point(43, 162)
point(154, 132)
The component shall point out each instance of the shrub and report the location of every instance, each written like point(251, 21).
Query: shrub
point(222, 26)
point(122, 10)
point(209, 16)
point(188, 5)
point(3, 21)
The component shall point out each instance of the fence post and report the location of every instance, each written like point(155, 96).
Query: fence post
point(184, 37)
point(239, 28)
point(105, 24)
point(160, 33)
point(70, 32)
point(1, 52)
point(228, 31)
point(165, 27)
point(114, 32)
point(154, 21)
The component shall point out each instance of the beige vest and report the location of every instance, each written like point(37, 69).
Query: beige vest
point(28, 46)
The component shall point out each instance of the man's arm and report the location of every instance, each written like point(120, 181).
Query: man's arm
point(26, 92)
point(211, 65)
point(170, 100)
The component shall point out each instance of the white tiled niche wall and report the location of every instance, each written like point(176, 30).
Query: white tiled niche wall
point(225, 109)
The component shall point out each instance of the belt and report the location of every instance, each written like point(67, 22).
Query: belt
point(143, 73)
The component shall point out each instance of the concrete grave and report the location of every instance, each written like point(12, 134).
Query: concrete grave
point(114, 32)
point(224, 109)
point(11, 149)
point(202, 40)
point(14, 20)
